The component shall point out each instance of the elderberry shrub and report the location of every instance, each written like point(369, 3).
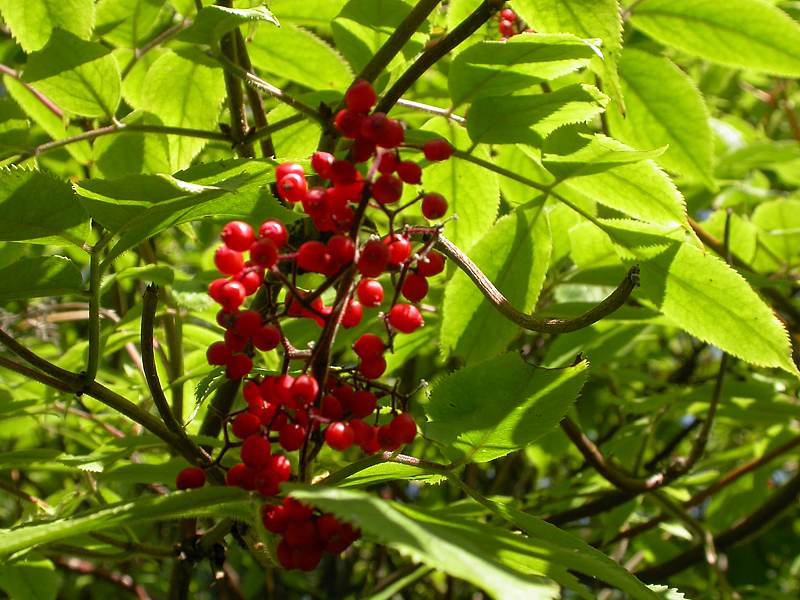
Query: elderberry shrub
point(309, 403)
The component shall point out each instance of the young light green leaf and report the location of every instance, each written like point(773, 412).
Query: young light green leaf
point(779, 225)
point(38, 207)
point(127, 23)
point(133, 152)
point(389, 472)
point(196, 91)
point(212, 22)
point(496, 68)
point(487, 410)
point(705, 297)
point(287, 52)
point(33, 578)
point(531, 118)
point(515, 255)
point(33, 21)
point(313, 13)
point(216, 501)
point(39, 277)
point(472, 192)
point(80, 77)
point(747, 34)
point(664, 107)
point(507, 566)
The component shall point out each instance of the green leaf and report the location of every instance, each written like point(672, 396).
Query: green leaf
point(132, 152)
point(746, 34)
point(472, 192)
point(210, 501)
point(779, 225)
point(80, 77)
point(33, 21)
point(485, 411)
point(497, 68)
point(314, 13)
point(196, 91)
point(705, 297)
point(31, 579)
point(514, 255)
point(389, 472)
point(38, 207)
point(212, 22)
point(664, 107)
point(39, 277)
point(531, 118)
point(127, 23)
point(287, 52)
point(507, 566)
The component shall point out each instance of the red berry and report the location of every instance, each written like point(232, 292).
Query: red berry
point(430, 265)
point(508, 14)
point(247, 323)
point(245, 424)
point(266, 483)
point(434, 206)
point(369, 345)
point(285, 555)
point(292, 187)
point(506, 28)
point(235, 475)
point(315, 203)
point(327, 527)
point(237, 235)
point(307, 558)
point(267, 338)
point(339, 436)
point(388, 163)
point(361, 96)
point(348, 123)
point(313, 256)
point(361, 150)
point(399, 249)
point(275, 231)
point(264, 253)
point(387, 189)
point(363, 433)
point(283, 169)
point(436, 150)
point(255, 452)
point(304, 390)
point(215, 289)
point(342, 249)
point(343, 172)
point(274, 518)
point(297, 511)
point(235, 343)
point(292, 437)
point(321, 163)
point(280, 467)
point(415, 287)
point(251, 279)
point(392, 134)
point(386, 438)
point(190, 477)
point(403, 428)
point(352, 314)
point(409, 172)
point(406, 318)
point(372, 367)
point(228, 261)
point(277, 390)
point(252, 394)
point(370, 292)
point(238, 366)
point(374, 258)
point(232, 295)
point(362, 404)
point(218, 354)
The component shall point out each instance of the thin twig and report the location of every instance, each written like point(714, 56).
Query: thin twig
point(45, 101)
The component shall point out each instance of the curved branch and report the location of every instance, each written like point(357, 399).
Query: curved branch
point(543, 325)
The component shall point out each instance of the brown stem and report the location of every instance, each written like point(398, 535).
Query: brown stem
point(83, 567)
point(254, 98)
point(233, 86)
point(49, 104)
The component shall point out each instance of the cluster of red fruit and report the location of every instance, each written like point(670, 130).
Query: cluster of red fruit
point(300, 412)
point(508, 25)
point(305, 535)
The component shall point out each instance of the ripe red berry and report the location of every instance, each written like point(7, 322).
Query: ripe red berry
point(307, 558)
point(235, 342)
point(368, 345)
point(508, 14)
point(387, 189)
point(285, 555)
point(235, 475)
point(252, 394)
point(238, 366)
point(280, 467)
point(409, 172)
point(362, 150)
point(374, 258)
point(313, 256)
point(343, 172)
point(434, 206)
point(251, 279)
point(190, 477)
point(415, 287)
point(275, 231)
point(232, 295)
point(274, 518)
point(327, 526)
point(218, 354)
point(283, 169)
point(361, 96)
point(342, 249)
point(386, 438)
point(245, 424)
point(406, 318)
point(264, 253)
point(339, 436)
point(292, 187)
point(370, 292)
point(292, 436)
point(228, 261)
point(237, 235)
point(348, 123)
point(430, 265)
point(247, 323)
point(304, 390)
point(506, 28)
point(215, 289)
point(436, 150)
point(362, 404)
point(352, 314)
point(372, 367)
point(399, 248)
point(388, 163)
point(321, 163)
point(331, 408)
point(255, 451)
point(403, 428)
point(267, 338)
point(297, 511)
point(265, 483)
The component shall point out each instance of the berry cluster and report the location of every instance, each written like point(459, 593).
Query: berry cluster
point(305, 534)
point(509, 24)
point(318, 404)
